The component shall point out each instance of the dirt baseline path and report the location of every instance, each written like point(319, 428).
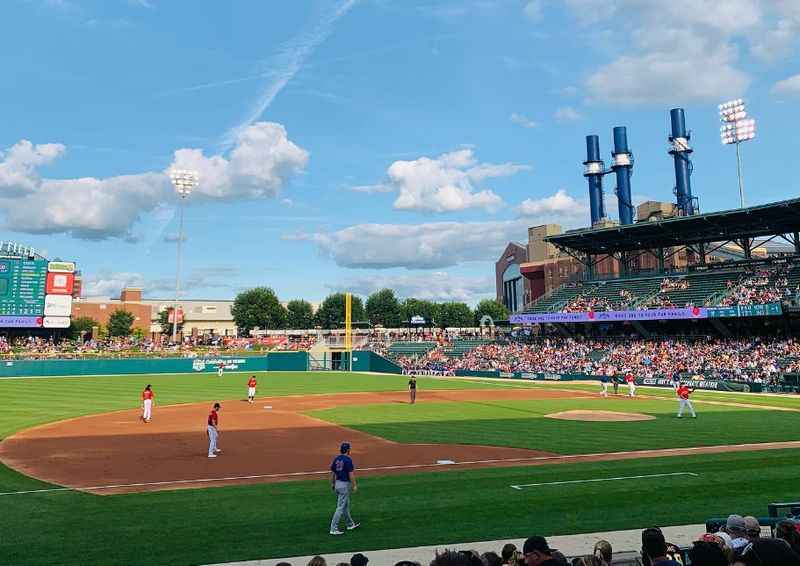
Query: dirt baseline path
point(117, 453)
point(259, 445)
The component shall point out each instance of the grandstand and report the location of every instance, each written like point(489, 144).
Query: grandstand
point(748, 281)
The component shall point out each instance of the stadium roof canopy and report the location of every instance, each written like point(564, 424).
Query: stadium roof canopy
point(731, 225)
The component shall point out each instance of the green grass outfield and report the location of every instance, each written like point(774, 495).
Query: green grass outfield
point(256, 521)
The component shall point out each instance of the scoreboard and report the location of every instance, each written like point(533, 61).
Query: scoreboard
point(34, 292)
point(22, 286)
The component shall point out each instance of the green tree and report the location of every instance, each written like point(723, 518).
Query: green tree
point(384, 308)
point(120, 323)
point(330, 313)
point(417, 307)
point(492, 308)
point(82, 324)
point(300, 315)
point(258, 308)
point(455, 315)
point(166, 325)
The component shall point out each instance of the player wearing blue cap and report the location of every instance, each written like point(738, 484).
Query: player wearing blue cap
point(343, 482)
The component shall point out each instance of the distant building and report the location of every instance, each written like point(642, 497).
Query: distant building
point(201, 317)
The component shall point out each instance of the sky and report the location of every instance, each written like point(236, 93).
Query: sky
point(360, 144)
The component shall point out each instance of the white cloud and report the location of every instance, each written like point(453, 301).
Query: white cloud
point(437, 245)
point(684, 50)
point(567, 114)
point(533, 10)
point(699, 70)
point(18, 166)
point(430, 286)
point(522, 120)
point(789, 86)
point(258, 166)
point(372, 189)
point(262, 159)
point(109, 283)
point(447, 183)
point(560, 204)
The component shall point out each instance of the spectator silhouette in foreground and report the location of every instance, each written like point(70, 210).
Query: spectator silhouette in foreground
point(654, 549)
point(767, 552)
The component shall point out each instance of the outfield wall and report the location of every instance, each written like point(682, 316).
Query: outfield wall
point(273, 361)
point(706, 384)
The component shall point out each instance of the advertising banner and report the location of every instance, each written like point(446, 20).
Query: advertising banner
point(772, 309)
point(58, 305)
point(20, 321)
point(60, 283)
point(708, 384)
point(56, 322)
point(610, 316)
point(61, 267)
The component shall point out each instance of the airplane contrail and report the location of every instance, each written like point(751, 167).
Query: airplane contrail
point(291, 60)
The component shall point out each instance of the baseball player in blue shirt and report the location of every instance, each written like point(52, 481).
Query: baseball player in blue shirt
point(343, 482)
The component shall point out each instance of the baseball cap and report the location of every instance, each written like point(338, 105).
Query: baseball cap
point(344, 447)
point(751, 524)
point(735, 523)
point(359, 560)
point(536, 543)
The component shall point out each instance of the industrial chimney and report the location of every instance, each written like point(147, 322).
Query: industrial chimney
point(622, 165)
point(594, 171)
point(681, 153)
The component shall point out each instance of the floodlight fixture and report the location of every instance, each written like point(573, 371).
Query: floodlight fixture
point(184, 181)
point(736, 128)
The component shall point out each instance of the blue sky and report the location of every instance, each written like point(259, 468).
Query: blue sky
point(356, 144)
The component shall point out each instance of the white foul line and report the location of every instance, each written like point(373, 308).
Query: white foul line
point(673, 474)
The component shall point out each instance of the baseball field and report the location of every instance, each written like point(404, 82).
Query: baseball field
point(84, 481)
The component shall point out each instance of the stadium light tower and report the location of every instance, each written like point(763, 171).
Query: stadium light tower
point(183, 181)
point(736, 128)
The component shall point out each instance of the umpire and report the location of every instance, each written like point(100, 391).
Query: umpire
point(343, 482)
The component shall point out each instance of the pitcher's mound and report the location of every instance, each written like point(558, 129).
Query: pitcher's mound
point(599, 416)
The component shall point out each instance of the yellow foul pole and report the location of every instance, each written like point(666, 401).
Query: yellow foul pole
point(348, 328)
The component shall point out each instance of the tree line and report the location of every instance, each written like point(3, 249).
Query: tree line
point(260, 308)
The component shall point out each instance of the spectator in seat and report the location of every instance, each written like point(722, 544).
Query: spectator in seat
point(358, 560)
point(538, 553)
point(451, 558)
point(752, 528)
point(788, 531)
point(491, 559)
point(654, 549)
point(704, 553)
point(767, 552)
point(737, 529)
point(317, 561)
point(509, 554)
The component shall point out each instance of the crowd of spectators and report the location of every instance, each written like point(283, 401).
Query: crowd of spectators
point(752, 359)
point(741, 542)
point(762, 286)
point(35, 347)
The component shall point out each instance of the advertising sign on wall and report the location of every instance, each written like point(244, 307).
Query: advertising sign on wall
point(56, 322)
point(60, 283)
point(58, 305)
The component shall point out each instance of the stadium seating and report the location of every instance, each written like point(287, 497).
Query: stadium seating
point(692, 289)
point(409, 349)
point(461, 347)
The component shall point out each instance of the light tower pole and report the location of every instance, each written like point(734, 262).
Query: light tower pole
point(736, 128)
point(183, 181)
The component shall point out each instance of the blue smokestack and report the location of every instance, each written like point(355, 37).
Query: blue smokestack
point(594, 170)
point(683, 164)
point(622, 166)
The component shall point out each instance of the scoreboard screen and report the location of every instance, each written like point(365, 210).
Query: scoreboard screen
point(22, 286)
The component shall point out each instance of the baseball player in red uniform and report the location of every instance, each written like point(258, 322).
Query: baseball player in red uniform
point(683, 397)
point(251, 389)
point(220, 368)
point(147, 403)
point(213, 431)
point(631, 384)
